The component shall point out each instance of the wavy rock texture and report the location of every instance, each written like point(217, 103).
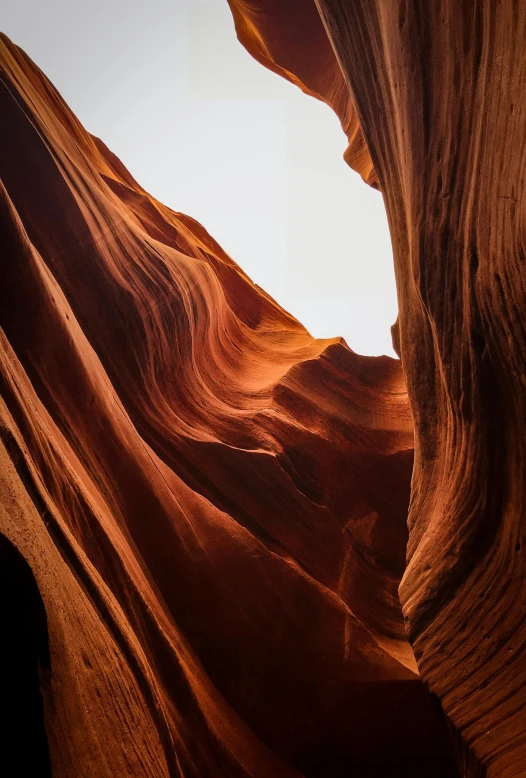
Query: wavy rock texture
point(212, 504)
point(440, 91)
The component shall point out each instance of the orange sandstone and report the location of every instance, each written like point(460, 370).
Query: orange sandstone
point(211, 504)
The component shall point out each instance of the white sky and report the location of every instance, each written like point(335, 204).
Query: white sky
point(211, 133)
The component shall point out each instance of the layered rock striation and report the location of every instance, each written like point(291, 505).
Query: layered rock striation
point(440, 93)
point(206, 505)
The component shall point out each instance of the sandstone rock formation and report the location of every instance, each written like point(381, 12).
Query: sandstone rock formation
point(288, 37)
point(440, 92)
point(208, 504)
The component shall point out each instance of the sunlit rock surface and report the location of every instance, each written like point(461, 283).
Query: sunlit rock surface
point(440, 91)
point(211, 504)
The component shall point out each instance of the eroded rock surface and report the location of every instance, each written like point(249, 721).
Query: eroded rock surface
point(440, 92)
point(289, 38)
point(212, 503)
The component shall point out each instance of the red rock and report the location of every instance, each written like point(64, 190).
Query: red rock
point(212, 503)
point(289, 38)
point(440, 91)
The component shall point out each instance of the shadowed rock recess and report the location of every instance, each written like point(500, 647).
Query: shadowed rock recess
point(210, 505)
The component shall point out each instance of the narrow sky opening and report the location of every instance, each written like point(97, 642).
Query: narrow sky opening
point(211, 133)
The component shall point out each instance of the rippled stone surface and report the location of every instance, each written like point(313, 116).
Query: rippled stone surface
point(440, 91)
point(212, 503)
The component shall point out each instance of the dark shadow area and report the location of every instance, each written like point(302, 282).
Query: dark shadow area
point(393, 730)
point(24, 646)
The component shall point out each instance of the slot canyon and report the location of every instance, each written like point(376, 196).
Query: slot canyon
point(230, 549)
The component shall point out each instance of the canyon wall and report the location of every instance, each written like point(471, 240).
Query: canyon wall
point(439, 90)
point(202, 508)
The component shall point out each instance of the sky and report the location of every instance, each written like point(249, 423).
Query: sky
point(210, 132)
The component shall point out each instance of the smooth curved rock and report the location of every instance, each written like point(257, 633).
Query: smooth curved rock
point(444, 109)
point(288, 37)
point(440, 90)
point(213, 503)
